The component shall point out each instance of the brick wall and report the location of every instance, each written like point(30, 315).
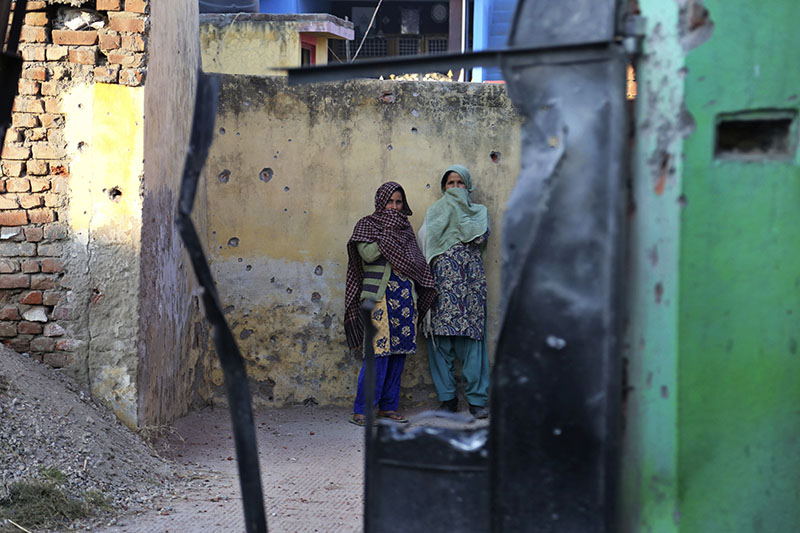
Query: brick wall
point(35, 165)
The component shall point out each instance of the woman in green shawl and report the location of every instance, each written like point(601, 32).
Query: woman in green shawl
point(453, 238)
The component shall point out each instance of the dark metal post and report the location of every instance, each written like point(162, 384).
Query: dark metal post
point(369, 384)
point(236, 386)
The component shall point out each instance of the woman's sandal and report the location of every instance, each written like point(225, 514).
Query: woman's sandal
point(393, 416)
point(359, 420)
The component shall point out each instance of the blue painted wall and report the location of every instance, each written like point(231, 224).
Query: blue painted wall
point(491, 24)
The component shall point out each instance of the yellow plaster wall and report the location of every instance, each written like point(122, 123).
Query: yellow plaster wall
point(104, 132)
point(290, 172)
point(249, 47)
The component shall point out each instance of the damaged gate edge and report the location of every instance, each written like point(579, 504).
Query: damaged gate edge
point(231, 360)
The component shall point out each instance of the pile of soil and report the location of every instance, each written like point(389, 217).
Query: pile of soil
point(51, 430)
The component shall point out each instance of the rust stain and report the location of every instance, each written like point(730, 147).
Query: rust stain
point(661, 183)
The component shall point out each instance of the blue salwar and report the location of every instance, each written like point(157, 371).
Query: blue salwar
point(388, 370)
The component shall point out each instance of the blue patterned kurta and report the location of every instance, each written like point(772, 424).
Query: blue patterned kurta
point(400, 337)
point(460, 305)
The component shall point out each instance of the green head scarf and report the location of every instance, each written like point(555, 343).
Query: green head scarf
point(453, 218)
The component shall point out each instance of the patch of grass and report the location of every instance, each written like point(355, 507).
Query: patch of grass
point(41, 504)
point(52, 474)
point(97, 500)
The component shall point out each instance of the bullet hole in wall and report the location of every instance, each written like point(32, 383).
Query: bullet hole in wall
point(273, 339)
point(494, 156)
point(233, 242)
point(290, 140)
point(266, 174)
point(683, 201)
point(389, 147)
point(81, 146)
point(245, 333)
point(113, 193)
point(315, 297)
point(288, 290)
point(228, 309)
point(414, 131)
point(318, 270)
point(222, 131)
point(272, 280)
point(249, 268)
point(427, 185)
point(286, 189)
point(240, 259)
point(224, 176)
point(387, 97)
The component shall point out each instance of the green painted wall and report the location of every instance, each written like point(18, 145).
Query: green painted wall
point(739, 366)
point(711, 417)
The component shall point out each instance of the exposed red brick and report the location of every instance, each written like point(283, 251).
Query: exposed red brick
point(56, 52)
point(49, 120)
point(27, 104)
point(8, 329)
point(29, 328)
point(13, 168)
point(18, 185)
point(61, 313)
point(38, 184)
point(24, 120)
point(13, 135)
point(67, 345)
point(2, 186)
point(8, 201)
point(33, 34)
point(57, 360)
point(51, 329)
point(136, 6)
point(19, 344)
point(36, 5)
point(13, 218)
point(109, 5)
point(31, 298)
point(106, 74)
point(83, 56)
point(49, 88)
point(42, 281)
point(11, 151)
point(110, 41)
point(46, 150)
point(41, 216)
point(34, 234)
point(51, 298)
point(51, 265)
point(75, 38)
point(35, 73)
point(15, 281)
point(131, 77)
point(53, 199)
point(30, 266)
point(36, 134)
point(55, 232)
point(126, 59)
point(9, 312)
point(133, 42)
point(43, 344)
point(38, 168)
point(28, 87)
point(59, 170)
point(30, 201)
point(126, 22)
point(33, 52)
point(51, 104)
point(35, 19)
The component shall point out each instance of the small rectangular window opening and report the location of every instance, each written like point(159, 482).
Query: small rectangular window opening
point(756, 135)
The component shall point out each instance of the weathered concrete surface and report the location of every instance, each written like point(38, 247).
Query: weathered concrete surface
point(291, 170)
point(263, 44)
point(104, 131)
point(166, 349)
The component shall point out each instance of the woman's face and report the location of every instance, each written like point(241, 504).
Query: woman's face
point(454, 180)
point(395, 201)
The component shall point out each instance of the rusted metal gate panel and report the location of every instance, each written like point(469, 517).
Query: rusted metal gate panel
point(556, 381)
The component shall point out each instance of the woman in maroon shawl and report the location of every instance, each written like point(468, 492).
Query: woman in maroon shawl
point(385, 264)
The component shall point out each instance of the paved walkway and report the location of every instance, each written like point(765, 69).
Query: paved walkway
point(311, 469)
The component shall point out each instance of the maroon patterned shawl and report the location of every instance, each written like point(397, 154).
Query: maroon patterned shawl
point(397, 243)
